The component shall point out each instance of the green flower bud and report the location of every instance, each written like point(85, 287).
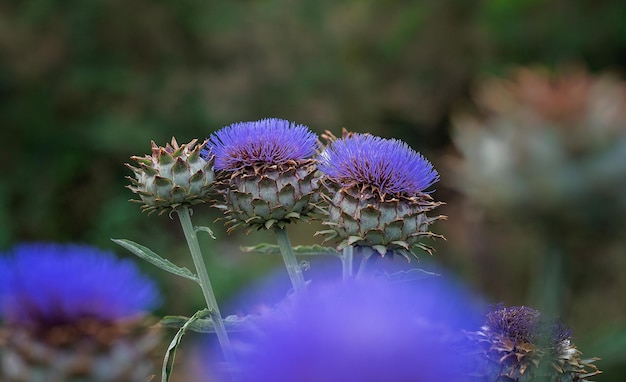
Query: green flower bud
point(171, 177)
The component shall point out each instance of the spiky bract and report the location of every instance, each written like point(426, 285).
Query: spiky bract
point(266, 171)
point(520, 344)
point(74, 313)
point(376, 194)
point(172, 176)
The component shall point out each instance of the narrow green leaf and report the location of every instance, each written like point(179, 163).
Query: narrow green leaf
point(205, 325)
point(410, 275)
point(204, 229)
point(305, 250)
point(155, 259)
point(170, 354)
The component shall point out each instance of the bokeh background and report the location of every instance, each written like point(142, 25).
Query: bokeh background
point(533, 171)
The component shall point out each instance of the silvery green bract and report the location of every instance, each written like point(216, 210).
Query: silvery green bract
point(266, 171)
point(375, 194)
point(172, 176)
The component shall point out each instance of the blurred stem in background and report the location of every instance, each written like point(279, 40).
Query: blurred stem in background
point(548, 288)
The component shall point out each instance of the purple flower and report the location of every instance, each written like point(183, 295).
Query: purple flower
point(389, 166)
point(266, 173)
point(360, 331)
point(520, 344)
point(265, 142)
point(45, 285)
point(522, 324)
point(376, 194)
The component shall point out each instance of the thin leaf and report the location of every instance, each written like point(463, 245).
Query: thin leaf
point(204, 229)
point(410, 275)
point(155, 259)
point(170, 354)
point(205, 325)
point(304, 250)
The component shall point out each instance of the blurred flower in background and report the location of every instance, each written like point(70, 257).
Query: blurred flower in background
point(550, 147)
point(74, 313)
point(543, 172)
point(365, 330)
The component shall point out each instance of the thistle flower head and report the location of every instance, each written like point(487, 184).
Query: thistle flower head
point(386, 166)
point(520, 343)
point(359, 331)
point(172, 176)
point(74, 313)
point(266, 172)
point(376, 194)
point(44, 285)
point(269, 142)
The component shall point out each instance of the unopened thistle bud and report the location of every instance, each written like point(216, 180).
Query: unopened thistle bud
point(376, 194)
point(266, 172)
point(172, 176)
point(519, 344)
point(75, 313)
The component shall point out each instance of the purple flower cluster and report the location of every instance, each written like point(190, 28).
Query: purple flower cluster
point(387, 165)
point(53, 284)
point(269, 141)
point(364, 331)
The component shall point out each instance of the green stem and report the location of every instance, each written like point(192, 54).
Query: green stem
point(346, 262)
point(207, 290)
point(291, 263)
point(369, 257)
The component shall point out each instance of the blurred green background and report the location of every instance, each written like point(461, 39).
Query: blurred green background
point(86, 84)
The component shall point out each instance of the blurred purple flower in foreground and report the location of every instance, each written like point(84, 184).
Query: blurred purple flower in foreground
point(53, 284)
point(74, 313)
point(361, 331)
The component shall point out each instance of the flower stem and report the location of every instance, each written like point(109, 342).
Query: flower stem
point(291, 263)
point(207, 290)
point(369, 257)
point(347, 261)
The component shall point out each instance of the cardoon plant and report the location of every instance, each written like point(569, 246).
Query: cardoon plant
point(74, 313)
point(376, 194)
point(268, 178)
point(172, 179)
point(519, 344)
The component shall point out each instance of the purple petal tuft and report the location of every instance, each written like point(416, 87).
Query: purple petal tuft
point(388, 165)
point(266, 142)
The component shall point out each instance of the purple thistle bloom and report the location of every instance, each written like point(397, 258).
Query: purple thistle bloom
point(44, 285)
point(387, 165)
point(360, 331)
point(265, 142)
point(523, 324)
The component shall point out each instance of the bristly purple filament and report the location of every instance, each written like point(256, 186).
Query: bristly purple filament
point(526, 324)
point(388, 165)
point(265, 142)
point(45, 284)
